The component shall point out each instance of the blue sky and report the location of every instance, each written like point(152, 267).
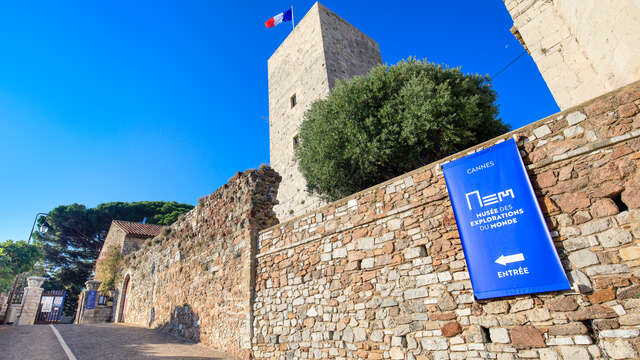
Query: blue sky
point(166, 100)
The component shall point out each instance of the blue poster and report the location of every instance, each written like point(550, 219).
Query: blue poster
point(90, 303)
point(505, 239)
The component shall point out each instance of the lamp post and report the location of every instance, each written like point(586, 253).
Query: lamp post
point(15, 283)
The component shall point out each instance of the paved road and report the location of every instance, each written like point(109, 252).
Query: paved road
point(29, 342)
point(100, 341)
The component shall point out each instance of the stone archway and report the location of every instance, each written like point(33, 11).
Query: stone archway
point(126, 285)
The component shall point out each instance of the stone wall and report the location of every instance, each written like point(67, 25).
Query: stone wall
point(119, 239)
point(321, 49)
point(196, 278)
point(381, 274)
point(582, 48)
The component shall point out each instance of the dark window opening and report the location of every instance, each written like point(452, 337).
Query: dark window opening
point(293, 100)
point(590, 330)
point(485, 333)
point(617, 198)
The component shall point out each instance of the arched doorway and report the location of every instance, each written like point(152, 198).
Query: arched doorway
point(123, 302)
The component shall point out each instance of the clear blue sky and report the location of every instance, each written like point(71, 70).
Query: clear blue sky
point(166, 100)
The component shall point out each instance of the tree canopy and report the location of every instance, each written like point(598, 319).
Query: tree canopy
point(73, 235)
point(15, 258)
point(392, 120)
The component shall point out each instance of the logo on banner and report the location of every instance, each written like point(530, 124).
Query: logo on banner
point(489, 199)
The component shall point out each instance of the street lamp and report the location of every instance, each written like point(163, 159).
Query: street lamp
point(15, 283)
point(38, 215)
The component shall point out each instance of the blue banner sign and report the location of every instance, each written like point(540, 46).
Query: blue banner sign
point(505, 239)
point(90, 303)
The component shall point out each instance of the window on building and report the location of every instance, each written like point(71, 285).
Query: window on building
point(296, 141)
point(293, 100)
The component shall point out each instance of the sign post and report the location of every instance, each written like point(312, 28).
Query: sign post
point(506, 243)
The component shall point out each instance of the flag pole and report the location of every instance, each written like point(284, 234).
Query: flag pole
point(293, 22)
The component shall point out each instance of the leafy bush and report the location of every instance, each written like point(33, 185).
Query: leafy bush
point(393, 120)
point(108, 270)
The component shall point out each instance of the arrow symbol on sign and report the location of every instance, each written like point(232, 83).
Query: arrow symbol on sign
point(504, 260)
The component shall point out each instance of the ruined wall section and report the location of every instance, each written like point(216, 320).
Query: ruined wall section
point(381, 273)
point(131, 244)
point(115, 239)
point(195, 279)
point(582, 48)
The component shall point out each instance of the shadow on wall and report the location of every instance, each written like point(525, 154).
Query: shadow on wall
point(184, 323)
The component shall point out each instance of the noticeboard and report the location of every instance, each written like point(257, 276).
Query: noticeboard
point(47, 303)
point(506, 243)
point(90, 302)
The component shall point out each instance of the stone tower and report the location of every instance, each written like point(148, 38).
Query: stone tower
point(582, 48)
point(321, 49)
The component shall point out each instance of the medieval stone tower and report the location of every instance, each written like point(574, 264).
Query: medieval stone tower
point(582, 48)
point(321, 49)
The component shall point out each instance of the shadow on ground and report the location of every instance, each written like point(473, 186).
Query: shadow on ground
point(117, 341)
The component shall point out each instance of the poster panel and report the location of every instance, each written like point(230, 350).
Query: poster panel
point(90, 303)
point(506, 243)
point(47, 303)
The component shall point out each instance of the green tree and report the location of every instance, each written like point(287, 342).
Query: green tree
point(73, 236)
point(392, 120)
point(108, 269)
point(15, 258)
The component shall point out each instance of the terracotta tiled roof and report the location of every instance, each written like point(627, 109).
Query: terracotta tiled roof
point(139, 229)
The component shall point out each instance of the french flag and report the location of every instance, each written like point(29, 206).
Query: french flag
point(280, 18)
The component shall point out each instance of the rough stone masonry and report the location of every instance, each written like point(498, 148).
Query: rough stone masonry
point(195, 279)
point(381, 274)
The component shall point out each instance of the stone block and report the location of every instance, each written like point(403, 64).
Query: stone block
point(581, 281)
point(575, 118)
point(522, 305)
point(496, 307)
point(414, 252)
point(538, 315)
point(607, 269)
point(583, 258)
point(366, 243)
point(434, 343)
point(396, 353)
point(577, 243)
point(629, 293)
point(602, 295)
point(630, 253)
point(499, 335)
point(619, 333)
point(592, 312)
point(541, 131)
point(451, 329)
point(630, 319)
point(619, 349)
point(614, 237)
point(574, 328)
point(399, 341)
point(526, 337)
point(574, 353)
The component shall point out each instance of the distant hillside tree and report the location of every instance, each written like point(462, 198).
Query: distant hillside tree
point(15, 258)
point(392, 120)
point(73, 236)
